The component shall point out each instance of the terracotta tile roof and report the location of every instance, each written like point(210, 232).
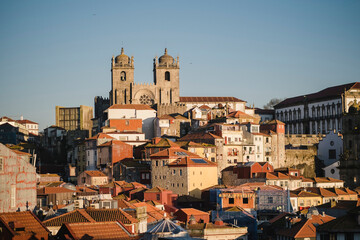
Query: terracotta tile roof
point(192, 211)
point(164, 142)
point(122, 203)
point(174, 153)
point(320, 191)
point(238, 114)
point(326, 180)
point(76, 216)
point(154, 214)
point(6, 119)
point(51, 190)
point(95, 174)
point(210, 99)
point(199, 136)
point(98, 231)
point(306, 227)
point(326, 93)
point(106, 215)
point(113, 142)
point(204, 107)
point(302, 193)
point(25, 219)
point(131, 106)
point(344, 224)
point(192, 162)
point(342, 191)
point(25, 121)
point(84, 189)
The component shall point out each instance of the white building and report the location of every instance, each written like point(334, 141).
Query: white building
point(330, 147)
point(332, 170)
point(319, 112)
point(139, 111)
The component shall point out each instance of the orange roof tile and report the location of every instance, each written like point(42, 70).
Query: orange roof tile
point(106, 215)
point(25, 121)
point(76, 216)
point(51, 190)
point(95, 174)
point(192, 162)
point(192, 211)
point(28, 220)
point(99, 230)
point(210, 99)
point(131, 106)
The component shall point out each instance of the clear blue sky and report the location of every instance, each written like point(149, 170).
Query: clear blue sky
point(58, 52)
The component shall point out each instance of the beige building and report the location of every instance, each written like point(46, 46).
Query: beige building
point(74, 118)
point(164, 90)
point(182, 172)
point(92, 178)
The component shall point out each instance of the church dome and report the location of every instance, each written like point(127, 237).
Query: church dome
point(166, 59)
point(122, 58)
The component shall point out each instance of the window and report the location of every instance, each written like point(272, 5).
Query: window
point(167, 76)
point(332, 153)
point(180, 172)
point(13, 196)
point(270, 199)
point(157, 163)
point(174, 171)
point(245, 200)
point(157, 196)
point(164, 163)
point(1, 165)
point(231, 200)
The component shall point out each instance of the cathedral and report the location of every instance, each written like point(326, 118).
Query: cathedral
point(164, 90)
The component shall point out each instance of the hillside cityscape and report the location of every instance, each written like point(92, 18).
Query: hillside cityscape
point(164, 120)
point(147, 163)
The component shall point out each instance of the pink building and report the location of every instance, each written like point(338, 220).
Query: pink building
point(160, 195)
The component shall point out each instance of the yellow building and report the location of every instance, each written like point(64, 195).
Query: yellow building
point(204, 150)
point(301, 199)
point(182, 172)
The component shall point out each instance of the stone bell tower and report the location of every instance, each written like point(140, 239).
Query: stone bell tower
point(166, 79)
point(122, 79)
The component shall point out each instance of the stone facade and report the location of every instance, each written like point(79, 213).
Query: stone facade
point(17, 181)
point(349, 161)
point(164, 90)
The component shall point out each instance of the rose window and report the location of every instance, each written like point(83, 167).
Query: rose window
point(145, 99)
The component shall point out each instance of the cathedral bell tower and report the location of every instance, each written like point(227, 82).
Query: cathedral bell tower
point(122, 79)
point(166, 79)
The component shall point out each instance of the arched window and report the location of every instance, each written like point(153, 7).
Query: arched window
point(167, 76)
point(123, 76)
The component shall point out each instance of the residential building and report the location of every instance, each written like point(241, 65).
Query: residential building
point(344, 227)
point(161, 195)
point(134, 111)
point(230, 103)
point(330, 148)
point(171, 126)
point(22, 225)
point(114, 230)
point(204, 150)
point(92, 178)
point(74, 118)
point(110, 153)
point(304, 228)
point(182, 172)
point(319, 112)
point(50, 196)
point(217, 230)
point(31, 126)
point(91, 149)
point(17, 181)
point(184, 215)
